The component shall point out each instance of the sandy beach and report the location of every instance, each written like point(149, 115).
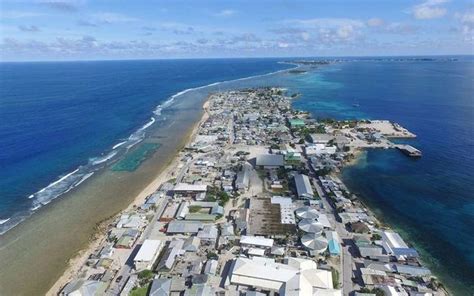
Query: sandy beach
point(163, 175)
point(57, 238)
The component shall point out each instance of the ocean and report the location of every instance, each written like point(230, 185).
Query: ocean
point(61, 121)
point(60, 118)
point(429, 200)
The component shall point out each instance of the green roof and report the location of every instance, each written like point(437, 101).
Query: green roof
point(296, 122)
point(292, 157)
point(200, 217)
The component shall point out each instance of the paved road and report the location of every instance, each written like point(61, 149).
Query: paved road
point(346, 257)
point(127, 268)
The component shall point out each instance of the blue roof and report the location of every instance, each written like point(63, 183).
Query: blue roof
point(409, 252)
point(334, 248)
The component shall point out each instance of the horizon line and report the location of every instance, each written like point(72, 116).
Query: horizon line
point(229, 58)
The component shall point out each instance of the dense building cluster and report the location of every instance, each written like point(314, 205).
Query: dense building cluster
point(255, 207)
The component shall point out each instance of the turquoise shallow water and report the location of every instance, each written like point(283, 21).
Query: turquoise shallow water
point(429, 200)
point(44, 136)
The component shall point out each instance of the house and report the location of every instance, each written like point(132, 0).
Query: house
point(367, 249)
point(191, 244)
point(83, 287)
point(394, 245)
point(319, 149)
point(160, 287)
point(179, 226)
point(127, 239)
point(167, 261)
point(270, 161)
point(303, 187)
point(208, 233)
point(320, 138)
point(296, 122)
point(256, 241)
point(334, 243)
point(211, 267)
point(170, 212)
point(296, 277)
point(184, 188)
point(243, 177)
point(147, 254)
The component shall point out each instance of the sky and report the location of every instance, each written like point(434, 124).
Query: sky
point(35, 30)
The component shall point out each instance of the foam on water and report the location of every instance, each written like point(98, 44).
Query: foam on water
point(73, 179)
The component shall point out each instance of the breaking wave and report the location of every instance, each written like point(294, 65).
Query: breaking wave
point(73, 179)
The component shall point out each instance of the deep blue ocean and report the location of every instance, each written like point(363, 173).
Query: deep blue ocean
point(430, 200)
point(55, 117)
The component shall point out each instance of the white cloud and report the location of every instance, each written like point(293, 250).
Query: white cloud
point(328, 30)
point(305, 36)
point(226, 12)
point(429, 9)
point(62, 5)
point(375, 22)
point(31, 28)
point(15, 14)
point(111, 17)
point(105, 18)
point(345, 32)
point(466, 20)
point(327, 22)
point(178, 28)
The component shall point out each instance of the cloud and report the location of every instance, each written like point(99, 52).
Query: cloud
point(326, 30)
point(148, 29)
point(247, 37)
point(327, 22)
point(111, 17)
point(28, 28)
point(178, 28)
point(226, 13)
point(86, 23)
point(105, 18)
point(202, 41)
point(466, 20)
point(15, 14)
point(287, 30)
point(381, 26)
point(61, 5)
point(429, 9)
point(375, 22)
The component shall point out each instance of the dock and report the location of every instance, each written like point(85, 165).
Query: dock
point(409, 150)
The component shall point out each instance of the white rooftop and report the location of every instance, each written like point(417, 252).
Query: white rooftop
point(298, 277)
point(148, 250)
point(190, 187)
point(256, 241)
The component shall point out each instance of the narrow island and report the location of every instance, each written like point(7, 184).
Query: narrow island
point(253, 205)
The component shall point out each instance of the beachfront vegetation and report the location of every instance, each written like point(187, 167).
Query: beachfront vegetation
point(216, 194)
point(145, 275)
point(140, 291)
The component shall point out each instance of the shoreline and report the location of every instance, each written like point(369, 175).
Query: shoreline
point(71, 222)
point(374, 212)
point(335, 199)
point(110, 154)
point(97, 238)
